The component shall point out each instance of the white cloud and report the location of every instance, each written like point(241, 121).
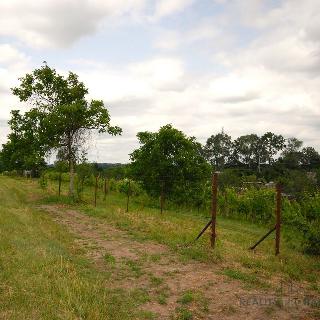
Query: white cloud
point(13, 64)
point(168, 7)
point(267, 79)
point(59, 23)
point(205, 31)
point(11, 57)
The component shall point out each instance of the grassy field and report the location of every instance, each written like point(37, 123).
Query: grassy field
point(42, 274)
point(45, 274)
point(177, 229)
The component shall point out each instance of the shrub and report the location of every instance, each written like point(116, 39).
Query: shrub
point(43, 181)
point(312, 238)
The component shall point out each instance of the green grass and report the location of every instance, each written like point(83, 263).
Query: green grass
point(184, 314)
point(110, 259)
point(250, 280)
point(43, 275)
point(177, 229)
point(187, 297)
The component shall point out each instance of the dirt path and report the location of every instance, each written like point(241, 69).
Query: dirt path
point(175, 288)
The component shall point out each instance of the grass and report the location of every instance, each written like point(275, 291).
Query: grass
point(43, 276)
point(250, 280)
point(110, 259)
point(187, 297)
point(177, 229)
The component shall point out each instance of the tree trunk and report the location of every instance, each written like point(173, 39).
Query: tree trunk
point(71, 185)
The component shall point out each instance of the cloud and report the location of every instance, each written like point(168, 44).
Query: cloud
point(260, 71)
point(174, 39)
point(59, 23)
point(11, 57)
point(168, 7)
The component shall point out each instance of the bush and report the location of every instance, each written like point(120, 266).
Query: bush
point(311, 211)
point(123, 187)
point(43, 181)
point(312, 238)
point(254, 204)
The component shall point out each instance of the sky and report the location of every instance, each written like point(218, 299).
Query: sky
point(202, 65)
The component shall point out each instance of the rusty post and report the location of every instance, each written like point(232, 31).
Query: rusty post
point(264, 237)
point(203, 231)
point(105, 188)
point(214, 208)
point(162, 198)
point(278, 217)
point(59, 183)
point(95, 191)
point(128, 196)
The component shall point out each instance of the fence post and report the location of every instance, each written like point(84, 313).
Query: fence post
point(59, 183)
point(162, 198)
point(278, 217)
point(95, 191)
point(128, 195)
point(105, 188)
point(214, 208)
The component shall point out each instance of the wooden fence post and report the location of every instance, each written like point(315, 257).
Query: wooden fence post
point(105, 188)
point(214, 208)
point(59, 183)
point(128, 195)
point(162, 197)
point(95, 191)
point(278, 217)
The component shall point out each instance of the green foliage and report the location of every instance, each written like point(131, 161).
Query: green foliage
point(252, 203)
point(60, 117)
point(129, 187)
point(271, 144)
point(230, 178)
point(23, 151)
point(116, 172)
point(61, 166)
point(43, 181)
point(218, 150)
point(84, 171)
point(168, 162)
point(297, 182)
point(311, 210)
point(312, 237)
point(12, 173)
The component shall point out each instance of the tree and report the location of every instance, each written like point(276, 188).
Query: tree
point(63, 117)
point(218, 150)
point(168, 161)
point(247, 150)
point(293, 145)
point(291, 155)
point(22, 150)
point(272, 144)
point(310, 158)
point(84, 171)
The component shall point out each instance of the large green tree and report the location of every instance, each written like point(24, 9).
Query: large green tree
point(292, 155)
point(310, 158)
point(23, 150)
point(168, 163)
point(272, 144)
point(218, 150)
point(63, 117)
point(247, 150)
